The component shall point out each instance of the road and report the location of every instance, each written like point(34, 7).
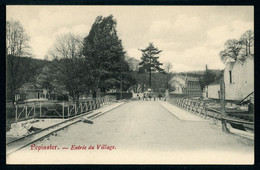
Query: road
point(143, 132)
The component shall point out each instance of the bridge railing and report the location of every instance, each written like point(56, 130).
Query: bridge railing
point(56, 109)
point(209, 110)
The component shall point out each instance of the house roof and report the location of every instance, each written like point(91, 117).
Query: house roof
point(240, 58)
point(230, 62)
point(216, 82)
point(29, 87)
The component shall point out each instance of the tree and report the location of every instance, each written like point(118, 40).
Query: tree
point(18, 67)
point(16, 39)
point(167, 68)
point(141, 82)
point(232, 49)
point(238, 49)
point(133, 63)
point(209, 77)
point(69, 62)
point(247, 41)
point(48, 79)
point(104, 54)
point(150, 61)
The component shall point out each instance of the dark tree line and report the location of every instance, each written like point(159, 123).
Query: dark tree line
point(94, 64)
point(78, 65)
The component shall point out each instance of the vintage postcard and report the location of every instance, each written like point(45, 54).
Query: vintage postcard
point(129, 84)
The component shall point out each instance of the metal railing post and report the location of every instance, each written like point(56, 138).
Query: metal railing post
point(16, 113)
point(75, 109)
point(26, 112)
point(68, 110)
point(81, 108)
point(34, 110)
point(63, 109)
point(40, 109)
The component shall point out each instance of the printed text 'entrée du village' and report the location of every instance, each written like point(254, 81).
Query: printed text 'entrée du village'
point(73, 147)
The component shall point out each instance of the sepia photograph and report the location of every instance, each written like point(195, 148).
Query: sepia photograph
point(89, 84)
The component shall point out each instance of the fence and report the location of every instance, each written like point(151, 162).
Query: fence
point(47, 109)
point(209, 110)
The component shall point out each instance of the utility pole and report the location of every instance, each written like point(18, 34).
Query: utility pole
point(223, 104)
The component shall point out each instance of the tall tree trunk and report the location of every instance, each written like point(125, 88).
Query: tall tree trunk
point(150, 74)
point(246, 49)
point(249, 47)
point(167, 85)
point(12, 97)
point(150, 79)
point(94, 94)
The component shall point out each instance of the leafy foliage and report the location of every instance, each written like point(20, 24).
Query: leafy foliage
point(48, 79)
point(150, 61)
point(238, 49)
point(78, 66)
point(150, 58)
point(104, 55)
point(133, 63)
point(232, 49)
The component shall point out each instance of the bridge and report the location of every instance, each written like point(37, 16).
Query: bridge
point(136, 132)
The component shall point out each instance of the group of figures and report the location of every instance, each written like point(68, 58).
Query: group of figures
point(149, 96)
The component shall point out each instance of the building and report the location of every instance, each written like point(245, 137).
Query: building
point(30, 91)
point(239, 78)
point(187, 85)
point(212, 90)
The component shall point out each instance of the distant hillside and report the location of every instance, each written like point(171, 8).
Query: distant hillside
point(21, 70)
point(216, 72)
point(38, 63)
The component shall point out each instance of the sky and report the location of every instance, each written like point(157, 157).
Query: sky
point(190, 36)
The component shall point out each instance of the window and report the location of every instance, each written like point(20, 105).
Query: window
point(230, 76)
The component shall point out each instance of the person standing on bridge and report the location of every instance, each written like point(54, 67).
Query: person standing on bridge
point(160, 96)
point(150, 96)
